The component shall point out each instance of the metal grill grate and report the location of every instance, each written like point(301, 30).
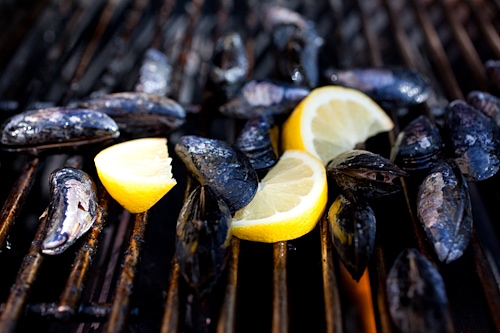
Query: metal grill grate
point(122, 277)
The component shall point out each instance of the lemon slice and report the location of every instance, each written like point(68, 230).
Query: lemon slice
point(289, 201)
point(136, 173)
point(333, 119)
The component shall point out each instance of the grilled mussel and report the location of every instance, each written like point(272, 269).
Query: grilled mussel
point(72, 210)
point(155, 73)
point(416, 295)
point(255, 141)
point(473, 140)
point(390, 87)
point(444, 209)
point(202, 239)
point(229, 63)
point(139, 114)
point(486, 103)
point(365, 173)
point(419, 146)
point(352, 226)
point(220, 165)
point(56, 128)
point(296, 44)
point(264, 97)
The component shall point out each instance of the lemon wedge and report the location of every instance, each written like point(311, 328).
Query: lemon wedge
point(289, 201)
point(136, 173)
point(333, 119)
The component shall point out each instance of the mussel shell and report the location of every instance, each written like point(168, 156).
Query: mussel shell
point(254, 141)
point(419, 146)
point(393, 87)
point(220, 165)
point(72, 210)
point(444, 209)
point(264, 97)
point(229, 60)
point(352, 226)
point(56, 128)
point(364, 173)
point(486, 103)
point(473, 140)
point(139, 114)
point(155, 73)
point(202, 239)
point(416, 294)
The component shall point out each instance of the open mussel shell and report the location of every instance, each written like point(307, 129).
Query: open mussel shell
point(419, 146)
point(392, 87)
point(352, 226)
point(139, 114)
point(365, 173)
point(296, 44)
point(444, 209)
point(72, 210)
point(473, 140)
point(202, 239)
point(56, 128)
point(416, 294)
point(264, 97)
point(255, 142)
point(229, 62)
point(220, 165)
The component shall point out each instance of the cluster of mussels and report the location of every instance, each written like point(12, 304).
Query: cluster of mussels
point(227, 175)
point(94, 122)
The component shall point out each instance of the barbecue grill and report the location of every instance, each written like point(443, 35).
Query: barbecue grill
point(122, 276)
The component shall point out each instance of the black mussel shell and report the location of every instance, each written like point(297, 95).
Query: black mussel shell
point(139, 114)
point(72, 210)
point(419, 146)
point(255, 141)
point(155, 73)
point(473, 140)
point(416, 295)
point(229, 62)
point(202, 239)
point(264, 97)
point(56, 128)
point(444, 209)
point(486, 103)
point(220, 165)
point(352, 226)
point(393, 87)
point(365, 173)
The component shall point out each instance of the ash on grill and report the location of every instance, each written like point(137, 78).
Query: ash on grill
point(123, 275)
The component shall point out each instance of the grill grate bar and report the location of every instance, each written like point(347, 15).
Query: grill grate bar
point(17, 196)
point(465, 44)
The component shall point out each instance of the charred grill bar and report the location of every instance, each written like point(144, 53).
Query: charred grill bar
point(122, 276)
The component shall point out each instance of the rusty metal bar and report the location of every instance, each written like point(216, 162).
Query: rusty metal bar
point(487, 28)
point(16, 198)
point(466, 46)
point(170, 320)
point(24, 281)
point(227, 320)
point(121, 301)
point(280, 289)
point(333, 309)
point(437, 53)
